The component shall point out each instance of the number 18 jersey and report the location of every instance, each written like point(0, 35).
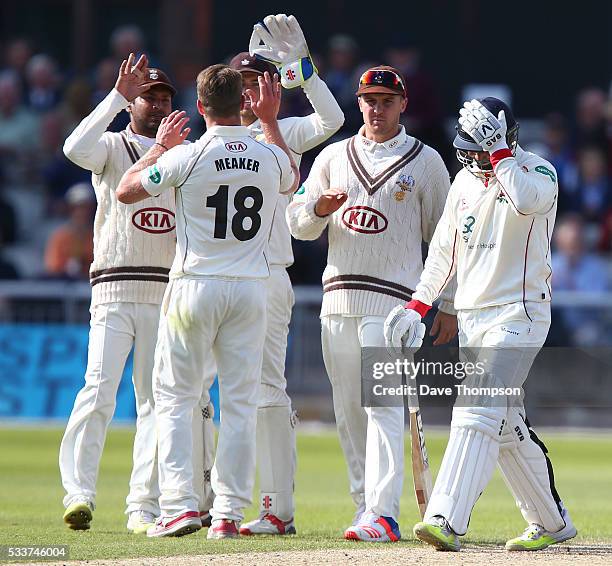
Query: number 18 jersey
point(227, 185)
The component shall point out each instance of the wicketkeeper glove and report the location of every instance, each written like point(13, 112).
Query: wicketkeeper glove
point(403, 331)
point(483, 126)
point(279, 40)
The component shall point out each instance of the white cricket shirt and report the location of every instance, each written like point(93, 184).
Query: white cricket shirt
point(227, 186)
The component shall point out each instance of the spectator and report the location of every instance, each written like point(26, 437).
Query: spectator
point(69, 250)
point(125, 40)
point(18, 128)
point(591, 197)
point(16, 56)
point(577, 269)
point(106, 75)
point(559, 151)
point(341, 62)
point(43, 82)
point(57, 172)
point(590, 128)
point(76, 103)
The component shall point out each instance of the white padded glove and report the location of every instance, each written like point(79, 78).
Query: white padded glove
point(280, 40)
point(484, 127)
point(403, 330)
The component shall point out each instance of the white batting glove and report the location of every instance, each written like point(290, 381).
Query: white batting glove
point(280, 40)
point(483, 126)
point(403, 330)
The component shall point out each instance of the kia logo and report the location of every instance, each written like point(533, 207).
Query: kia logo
point(236, 147)
point(154, 220)
point(364, 219)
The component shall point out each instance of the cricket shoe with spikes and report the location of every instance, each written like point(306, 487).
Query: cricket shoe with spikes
point(374, 528)
point(78, 515)
point(139, 522)
point(223, 528)
point(268, 524)
point(537, 537)
point(176, 525)
point(437, 532)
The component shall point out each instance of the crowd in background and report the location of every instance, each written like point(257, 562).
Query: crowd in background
point(47, 203)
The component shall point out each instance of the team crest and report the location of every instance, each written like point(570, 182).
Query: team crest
point(406, 184)
point(153, 75)
point(501, 197)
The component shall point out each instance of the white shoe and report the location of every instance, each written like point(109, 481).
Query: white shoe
point(176, 525)
point(360, 511)
point(537, 537)
point(268, 524)
point(140, 521)
point(374, 528)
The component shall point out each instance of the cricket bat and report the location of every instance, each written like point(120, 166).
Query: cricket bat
point(421, 474)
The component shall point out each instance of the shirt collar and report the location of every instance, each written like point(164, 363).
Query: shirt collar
point(389, 145)
point(228, 131)
point(142, 140)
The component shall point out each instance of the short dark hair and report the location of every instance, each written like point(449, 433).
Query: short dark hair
point(220, 91)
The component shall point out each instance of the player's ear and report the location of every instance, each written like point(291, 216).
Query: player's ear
point(201, 109)
point(360, 103)
point(404, 103)
point(128, 108)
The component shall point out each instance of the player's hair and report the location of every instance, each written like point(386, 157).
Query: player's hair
point(220, 91)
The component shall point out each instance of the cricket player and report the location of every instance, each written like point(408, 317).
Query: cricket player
point(284, 44)
point(379, 193)
point(133, 250)
point(227, 186)
point(495, 235)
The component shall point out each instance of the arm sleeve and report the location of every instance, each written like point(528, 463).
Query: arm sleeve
point(286, 172)
point(433, 201)
point(441, 263)
point(304, 224)
point(86, 146)
point(530, 192)
point(170, 171)
point(310, 131)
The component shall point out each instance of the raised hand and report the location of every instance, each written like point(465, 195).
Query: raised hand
point(130, 82)
point(170, 132)
point(267, 106)
point(485, 128)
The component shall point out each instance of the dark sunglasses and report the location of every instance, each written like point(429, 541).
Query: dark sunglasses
point(382, 77)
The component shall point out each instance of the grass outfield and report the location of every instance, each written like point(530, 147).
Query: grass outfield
point(31, 496)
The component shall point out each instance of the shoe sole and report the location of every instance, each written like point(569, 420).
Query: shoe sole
point(79, 519)
point(220, 536)
point(248, 533)
point(353, 536)
point(425, 535)
point(518, 548)
point(179, 532)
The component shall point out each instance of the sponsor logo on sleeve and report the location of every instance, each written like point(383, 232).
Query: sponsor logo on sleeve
point(301, 190)
point(364, 220)
point(546, 171)
point(154, 220)
point(154, 174)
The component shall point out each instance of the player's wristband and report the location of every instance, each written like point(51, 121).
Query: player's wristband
point(500, 154)
point(162, 145)
point(418, 306)
point(297, 73)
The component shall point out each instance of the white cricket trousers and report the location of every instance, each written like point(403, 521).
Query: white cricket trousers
point(372, 438)
point(200, 317)
point(115, 328)
point(506, 338)
point(276, 444)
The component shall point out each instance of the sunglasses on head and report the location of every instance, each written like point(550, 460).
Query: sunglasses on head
point(382, 77)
